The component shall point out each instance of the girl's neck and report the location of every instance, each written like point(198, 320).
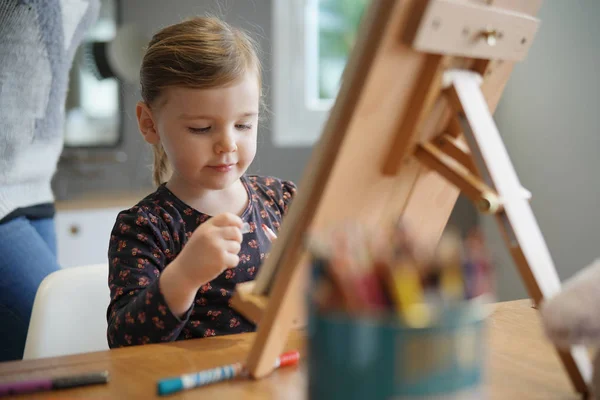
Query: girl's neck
point(233, 199)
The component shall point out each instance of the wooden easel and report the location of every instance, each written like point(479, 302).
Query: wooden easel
point(412, 127)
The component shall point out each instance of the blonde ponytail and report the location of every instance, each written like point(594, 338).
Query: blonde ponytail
point(160, 171)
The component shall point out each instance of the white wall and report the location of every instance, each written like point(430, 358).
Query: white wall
point(549, 117)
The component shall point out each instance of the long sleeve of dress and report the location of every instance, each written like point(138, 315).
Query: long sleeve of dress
point(140, 245)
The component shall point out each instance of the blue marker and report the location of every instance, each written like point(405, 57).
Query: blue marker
point(189, 381)
point(219, 374)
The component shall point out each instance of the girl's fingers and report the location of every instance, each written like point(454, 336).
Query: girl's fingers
point(231, 233)
point(231, 260)
point(232, 246)
point(270, 234)
point(227, 219)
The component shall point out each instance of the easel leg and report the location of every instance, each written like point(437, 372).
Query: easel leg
point(517, 222)
point(278, 318)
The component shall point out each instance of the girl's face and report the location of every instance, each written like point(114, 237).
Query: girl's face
point(209, 135)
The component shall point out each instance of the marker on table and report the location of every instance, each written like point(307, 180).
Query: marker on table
point(44, 384)
point(219, 374)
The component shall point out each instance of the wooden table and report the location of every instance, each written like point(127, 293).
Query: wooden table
point(522, 365)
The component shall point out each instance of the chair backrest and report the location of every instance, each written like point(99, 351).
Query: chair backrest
point(69, 313)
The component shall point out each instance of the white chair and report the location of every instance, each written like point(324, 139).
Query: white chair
point(69, 313)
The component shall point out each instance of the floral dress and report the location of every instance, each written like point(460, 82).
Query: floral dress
point(148, 236)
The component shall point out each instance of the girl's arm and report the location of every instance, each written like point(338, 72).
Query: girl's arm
point(140, 248)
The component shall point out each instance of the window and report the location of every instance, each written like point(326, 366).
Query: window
point(312, 42)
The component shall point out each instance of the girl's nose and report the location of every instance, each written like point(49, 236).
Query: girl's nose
point(226, 143)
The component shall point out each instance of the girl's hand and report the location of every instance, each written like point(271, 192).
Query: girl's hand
point(212, 248)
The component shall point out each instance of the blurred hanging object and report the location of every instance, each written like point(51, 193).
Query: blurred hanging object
point(120, 57)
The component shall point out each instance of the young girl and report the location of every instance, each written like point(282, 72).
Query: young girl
point(176, 256)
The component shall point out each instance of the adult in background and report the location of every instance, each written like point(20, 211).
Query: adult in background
point(38, 40)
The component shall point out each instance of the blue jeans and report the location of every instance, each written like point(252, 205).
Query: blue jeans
point(27, 256)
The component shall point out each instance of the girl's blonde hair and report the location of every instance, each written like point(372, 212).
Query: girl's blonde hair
point(201, 53)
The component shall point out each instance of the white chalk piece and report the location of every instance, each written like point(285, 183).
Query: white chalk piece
point(245, 228)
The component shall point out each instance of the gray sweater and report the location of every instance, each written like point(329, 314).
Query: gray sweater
point(38, 39)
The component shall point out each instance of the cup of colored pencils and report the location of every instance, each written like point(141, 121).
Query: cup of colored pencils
point(391, 319)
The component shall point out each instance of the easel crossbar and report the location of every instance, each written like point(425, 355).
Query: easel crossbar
point(456, 173)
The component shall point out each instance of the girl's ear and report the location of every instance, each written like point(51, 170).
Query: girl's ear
point(146, 123)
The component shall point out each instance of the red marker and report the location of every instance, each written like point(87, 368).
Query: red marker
point(287, 359)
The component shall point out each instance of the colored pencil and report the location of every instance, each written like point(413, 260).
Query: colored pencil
point(369, 272)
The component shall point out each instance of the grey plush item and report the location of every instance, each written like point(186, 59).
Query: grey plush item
point(571, 317)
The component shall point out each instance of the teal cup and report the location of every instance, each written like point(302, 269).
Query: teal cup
point(362, 357)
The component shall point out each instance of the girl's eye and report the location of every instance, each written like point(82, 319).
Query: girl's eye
point(199, 130)
point(243, 127)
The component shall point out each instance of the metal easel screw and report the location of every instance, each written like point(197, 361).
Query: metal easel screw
point(490, 35)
